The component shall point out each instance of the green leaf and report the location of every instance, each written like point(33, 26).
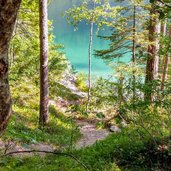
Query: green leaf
point(162, 15)
point(100, 115)
point(152, 1)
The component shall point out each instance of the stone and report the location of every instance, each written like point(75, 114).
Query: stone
point(115, 128)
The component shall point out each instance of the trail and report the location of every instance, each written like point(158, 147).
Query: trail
point(90, 134)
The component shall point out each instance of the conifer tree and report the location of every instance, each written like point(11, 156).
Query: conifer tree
point(152, 52)
point(127, 37)
point(166, 57)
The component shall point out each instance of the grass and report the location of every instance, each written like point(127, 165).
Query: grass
point(133, 149)
point(23, 128)
point(125, 151)
point(59, 90)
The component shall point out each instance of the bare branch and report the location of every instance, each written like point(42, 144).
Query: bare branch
point(47, 152)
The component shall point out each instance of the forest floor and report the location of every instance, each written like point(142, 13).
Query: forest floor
point(88, 129)
point(90, 134)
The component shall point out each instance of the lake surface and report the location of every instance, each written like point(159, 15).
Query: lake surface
point(76, 42)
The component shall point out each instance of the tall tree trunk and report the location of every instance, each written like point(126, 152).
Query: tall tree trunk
point(44, 87)
point(152, 54)
point(165, 71)
point(89, 65)
point(133, 32)
point(166, 64)
point(8, 15)
point(156, 66)
point(133, 49)
point(161, 58)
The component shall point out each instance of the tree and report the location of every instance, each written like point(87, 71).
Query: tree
point(127, 32)
point(134, 47)
point(152, 52)
point(44, 87)
point(127, 38)
point(89, 65)
point(96, 12)
point(8, 15)
point(166, 53)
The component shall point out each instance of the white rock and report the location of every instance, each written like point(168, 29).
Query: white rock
point(114, 128)
point(124, 124)
point(68, 80)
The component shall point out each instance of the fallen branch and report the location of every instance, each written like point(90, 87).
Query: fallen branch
point(47, 152)
point(109, 119)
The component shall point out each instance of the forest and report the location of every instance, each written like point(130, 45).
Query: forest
point(58, 118)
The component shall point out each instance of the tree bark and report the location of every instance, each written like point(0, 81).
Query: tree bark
point(152, 54)
point(134, 50)
point(44, 87)
point(89, 65)
point(166, 63)
point(133, 32)
point(156, 66)
point(8, 15)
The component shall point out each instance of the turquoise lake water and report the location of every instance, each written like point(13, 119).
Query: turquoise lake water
point(76, 42)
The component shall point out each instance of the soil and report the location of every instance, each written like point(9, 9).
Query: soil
point(90, 134)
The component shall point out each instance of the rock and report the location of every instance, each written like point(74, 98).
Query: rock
point(124, 124)
point(69, 81)
point(115, 128)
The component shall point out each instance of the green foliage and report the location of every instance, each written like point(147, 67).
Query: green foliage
point(163, 7)
point(59, 90)
point(81, 82)
point(143, 145)
point(24, 80)
point(165, 50)
point(24, 129)
point(123, 33)
point(97, 11)
point(132, 149)
point(24, 48)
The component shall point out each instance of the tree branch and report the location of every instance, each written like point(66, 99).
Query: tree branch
point(47, 152)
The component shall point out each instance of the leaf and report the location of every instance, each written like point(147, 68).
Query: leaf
point(100, 115)
point(166, 1)
point(162, 15)
point(152, 1)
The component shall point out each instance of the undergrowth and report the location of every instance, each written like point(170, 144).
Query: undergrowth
point(144, 145)
point(121, 151)
point(23, 127)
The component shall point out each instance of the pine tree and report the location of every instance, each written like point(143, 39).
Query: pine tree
point(166, 57)
point(127, 37)
point(152, 53)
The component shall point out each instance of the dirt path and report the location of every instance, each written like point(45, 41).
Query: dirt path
point(90, 134)
point(11, 146)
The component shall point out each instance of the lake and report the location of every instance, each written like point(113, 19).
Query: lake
point(76, 42)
